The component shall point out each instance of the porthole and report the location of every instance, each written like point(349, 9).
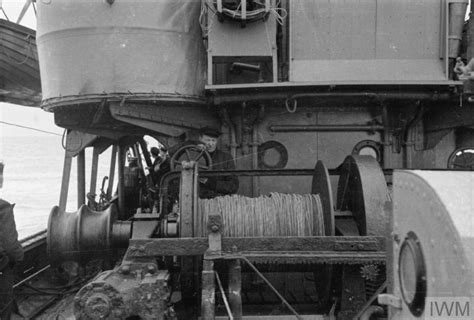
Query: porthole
point(412, 274)
point(272, 155)
point(462, 159)
point(368, 148)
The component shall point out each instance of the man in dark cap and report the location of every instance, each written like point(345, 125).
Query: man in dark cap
point(11, 252)
point(160, 164)
point(221, 185)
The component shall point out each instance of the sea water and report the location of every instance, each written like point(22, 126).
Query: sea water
point(32, 178)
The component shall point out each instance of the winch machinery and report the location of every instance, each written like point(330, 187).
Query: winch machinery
point(370, 89)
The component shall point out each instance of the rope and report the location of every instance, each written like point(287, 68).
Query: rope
point(30, 128)
point(203, 18)
point(276, 215)
point(4, 13)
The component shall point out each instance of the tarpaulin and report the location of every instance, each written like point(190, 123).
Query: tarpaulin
point(122, 47)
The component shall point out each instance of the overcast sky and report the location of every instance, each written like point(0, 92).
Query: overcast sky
point(12, 8)
point(27, 117)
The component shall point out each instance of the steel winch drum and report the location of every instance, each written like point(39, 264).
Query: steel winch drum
point(85, 234)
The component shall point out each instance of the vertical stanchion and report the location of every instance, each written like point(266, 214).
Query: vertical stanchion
point(208, 296)
point(65, 181)
point(95, 164)
point(235, 288)
point(81, 178)
point(113, 161)
point(121, 184)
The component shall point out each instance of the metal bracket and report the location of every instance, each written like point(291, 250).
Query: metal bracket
point(390, 300)
point(214, 228)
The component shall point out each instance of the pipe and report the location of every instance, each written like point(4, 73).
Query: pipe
point(408, 146)
point(258, 119)
point(371, 311)
point(113, 160)
point(121, 186)
point(16, 285)
point(81, 178)
point(233, 143)
point(255, 143)
point(95, 163)
point(245, 130)
point(386, 143)
point(65, 181)
point(255, 180)
point(325, 128)
point(235, 96)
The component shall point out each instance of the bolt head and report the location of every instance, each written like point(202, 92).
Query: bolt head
point(98, 306)
point(151, 268)
point(125, 269)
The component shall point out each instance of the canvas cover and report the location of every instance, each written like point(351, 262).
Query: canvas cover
point(122, 47)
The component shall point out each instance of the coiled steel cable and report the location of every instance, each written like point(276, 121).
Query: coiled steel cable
point(276, 215)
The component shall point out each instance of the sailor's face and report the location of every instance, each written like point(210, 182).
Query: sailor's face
point(209, 142)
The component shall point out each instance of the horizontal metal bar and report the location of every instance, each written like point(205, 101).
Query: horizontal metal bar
point(325, 128)
point(314, 257)
point(41, 233)
point(272, 96)
point(377, 90)
point(341, 84)
point(297, 245)
point(31, 276)
point(255, 172)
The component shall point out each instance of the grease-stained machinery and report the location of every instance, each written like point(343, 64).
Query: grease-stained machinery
point(360, 87)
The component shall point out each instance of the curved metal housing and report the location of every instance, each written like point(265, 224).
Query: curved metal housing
point(84, 234)
point(149, 49)
point(437, 208)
